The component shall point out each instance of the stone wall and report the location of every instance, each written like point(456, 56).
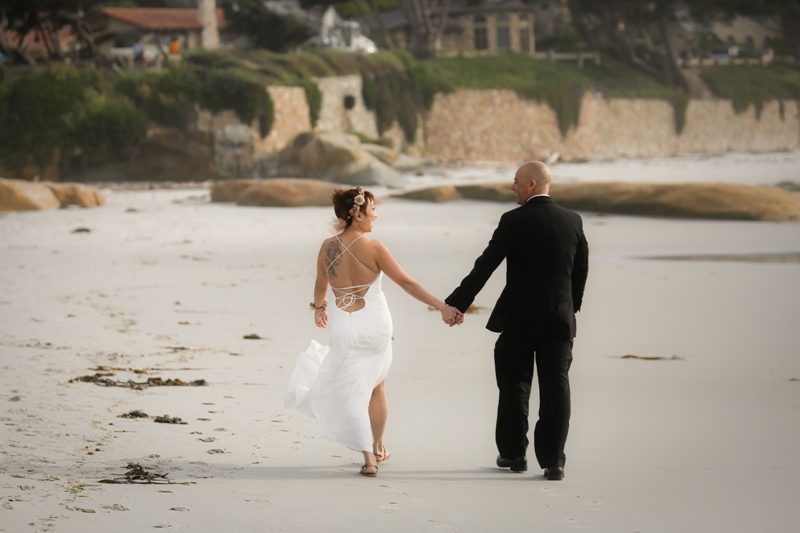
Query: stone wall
point(499, 125)
point(291, 117)
point(236, 145)
point(334, 114)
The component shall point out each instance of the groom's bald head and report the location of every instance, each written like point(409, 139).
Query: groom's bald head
point(538, 172)
point(532, 178)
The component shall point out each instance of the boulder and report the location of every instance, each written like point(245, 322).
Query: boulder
point(493, 192)
point(335, 157)
point(77, 194)
point(229, 190)
point(381, 153)
point(683, 200)
point(277, 192)
point(440, 194)
point(22, 195)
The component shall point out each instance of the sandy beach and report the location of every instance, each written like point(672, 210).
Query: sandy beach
point(703, 438)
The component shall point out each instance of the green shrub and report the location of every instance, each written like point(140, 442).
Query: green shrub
point(314, 100)
point(33, 112)
point(167, 97)
point(753, 86)
point(239, 91)
point(105, 126)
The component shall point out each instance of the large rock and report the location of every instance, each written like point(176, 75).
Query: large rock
point(695, 200)
point(381, 153)
point(229, 190)
point(77, 194)
point(439, 194)
point(447, 193)
point(493, 192)
point(21, 195)
point(335, 157)
point(277, 192)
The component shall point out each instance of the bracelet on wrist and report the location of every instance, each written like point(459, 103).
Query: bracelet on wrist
point(320, 307)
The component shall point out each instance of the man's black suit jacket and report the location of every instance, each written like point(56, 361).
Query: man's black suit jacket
point(547, 260)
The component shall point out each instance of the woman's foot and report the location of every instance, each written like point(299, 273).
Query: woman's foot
point(369, 470)
point(381, 453)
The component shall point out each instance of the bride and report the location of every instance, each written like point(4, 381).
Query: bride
point(341, 385)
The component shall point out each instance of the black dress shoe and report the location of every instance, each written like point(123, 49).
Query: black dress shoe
point(554, 473)
point(520, 464)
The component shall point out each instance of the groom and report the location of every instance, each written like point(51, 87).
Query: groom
point(547, 260)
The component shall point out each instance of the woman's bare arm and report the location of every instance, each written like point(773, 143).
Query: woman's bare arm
point(392, 268)
point(320, 289)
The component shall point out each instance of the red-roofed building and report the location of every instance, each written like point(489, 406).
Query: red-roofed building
point(156, 25)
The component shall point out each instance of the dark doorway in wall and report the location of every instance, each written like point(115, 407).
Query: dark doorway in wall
point(349, 102)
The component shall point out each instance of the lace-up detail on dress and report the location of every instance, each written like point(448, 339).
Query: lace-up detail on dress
point(347, 297)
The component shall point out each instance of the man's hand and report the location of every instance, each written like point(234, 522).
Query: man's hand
point(452, 316)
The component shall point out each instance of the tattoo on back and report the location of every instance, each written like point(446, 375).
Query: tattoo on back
point(333, 252)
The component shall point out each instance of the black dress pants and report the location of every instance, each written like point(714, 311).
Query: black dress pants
point(514, 355)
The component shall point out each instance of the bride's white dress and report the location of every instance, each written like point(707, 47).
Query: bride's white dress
point(334, 383)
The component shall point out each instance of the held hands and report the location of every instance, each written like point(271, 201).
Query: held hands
point(452, 316)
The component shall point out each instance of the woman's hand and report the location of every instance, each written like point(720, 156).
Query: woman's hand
point(321, 318)
point(452, 316)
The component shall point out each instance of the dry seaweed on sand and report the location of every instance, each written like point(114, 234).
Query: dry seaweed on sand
point(101, 379)
point(137, 474)
point(652, 357)
point(112, 369)
point(166, 419)
point(253, 337)
point(134, 414)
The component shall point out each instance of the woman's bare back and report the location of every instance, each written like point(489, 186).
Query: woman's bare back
point(351, 268)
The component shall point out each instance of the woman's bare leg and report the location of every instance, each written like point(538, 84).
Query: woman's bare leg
point(378, 413)
point(370, 467)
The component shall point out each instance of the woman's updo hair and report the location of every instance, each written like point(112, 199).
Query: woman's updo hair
point(347, 202)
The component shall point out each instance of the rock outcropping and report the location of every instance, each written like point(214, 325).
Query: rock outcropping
point(22, 195)
point(334, 157)
point(277, 192)
point(695, 200)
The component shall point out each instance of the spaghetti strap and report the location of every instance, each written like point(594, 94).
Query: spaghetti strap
point(347, 250)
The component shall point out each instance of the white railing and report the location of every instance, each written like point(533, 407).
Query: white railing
point(580, 57)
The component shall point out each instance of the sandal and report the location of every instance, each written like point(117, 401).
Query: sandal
point(369, 470)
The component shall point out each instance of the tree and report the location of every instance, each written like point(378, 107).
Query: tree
point(427, 20)
point(264, 28)
point(46, 18)
point(613, 25)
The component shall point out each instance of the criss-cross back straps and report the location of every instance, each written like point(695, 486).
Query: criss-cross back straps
point(346, 249)
point(349, 295)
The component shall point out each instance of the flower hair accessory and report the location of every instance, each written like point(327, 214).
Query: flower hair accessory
point(358, 201)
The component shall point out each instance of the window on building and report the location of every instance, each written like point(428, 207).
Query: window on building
point(503, 33)
point(524, 35)
point(479, 29)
